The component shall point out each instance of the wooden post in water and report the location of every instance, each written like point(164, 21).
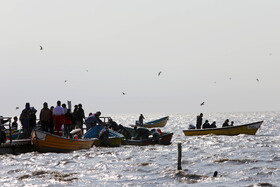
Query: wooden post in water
point(179, 156)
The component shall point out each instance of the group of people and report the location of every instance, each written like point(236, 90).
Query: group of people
point(52, 119)
point(207, 125)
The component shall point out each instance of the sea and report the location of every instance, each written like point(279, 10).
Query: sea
point(243, 160)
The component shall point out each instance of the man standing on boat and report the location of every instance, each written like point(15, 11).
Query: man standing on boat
point(199, 121)
point(45, 117)
point(58, 116)
point(80, 117)
point(141, 118)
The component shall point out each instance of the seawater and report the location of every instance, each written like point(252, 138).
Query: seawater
point(243, 160)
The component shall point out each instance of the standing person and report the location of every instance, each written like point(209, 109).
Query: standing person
point(58, 116)
point(64, 107)
point(74, 116)
point(25, 120)
point(80, 117)
point(32, 119)
point(199, 121)
point(67, 123)
point(15, 124)
point(141, 118)
point(52, 121)
point(45, 117)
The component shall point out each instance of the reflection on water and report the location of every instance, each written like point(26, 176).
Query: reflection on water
point(242, 160)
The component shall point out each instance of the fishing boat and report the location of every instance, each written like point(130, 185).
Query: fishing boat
point(155, 123)
point(114, 139)
point(16, 134)
point(250, 128)
point(46, 142)
point(16, 147)
point(165, 139)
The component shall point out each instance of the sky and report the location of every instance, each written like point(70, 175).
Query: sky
point(207, 51)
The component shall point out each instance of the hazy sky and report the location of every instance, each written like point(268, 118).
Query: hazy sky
point(124, 44)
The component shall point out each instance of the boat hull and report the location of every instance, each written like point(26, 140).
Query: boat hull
point(16, 147)
point(46, 142)
point(250, 129)
point(155, 123)
point(165, 140)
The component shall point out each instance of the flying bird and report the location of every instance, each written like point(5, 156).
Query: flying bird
point(17, 108)
point(86, 70)
point(65, 81)
point(159, 73)
point(202, 104)
point(258, 80)
point(230, 78)
point(123, 93)
point(41, 48)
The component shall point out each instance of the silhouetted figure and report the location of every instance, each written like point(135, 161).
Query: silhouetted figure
point(142, 133)
point(206, 125)
point(45, 117)
point(68, 123)
point(156, 136)
point(104, 137)
point(231, 123)
point(141, 119)
point(80, 117)
point(113, 125)
point(226, 123)
point(199, 121)
point(213, 125)
point(15, 124)
point(52, 121)
point(32, 119)
point(25, 120)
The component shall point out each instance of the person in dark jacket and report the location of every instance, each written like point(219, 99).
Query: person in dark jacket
point(199, 121)
point(52, 121)
point(213, 125)
point(15, 124)
point(45, 117)
point(142, 133)
point(113, 125)
point(68, 123)
point(25, 120)
point(226, 123)
point(80, 117)
point(206, 125)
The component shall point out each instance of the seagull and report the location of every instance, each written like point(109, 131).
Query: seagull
point(41, 48)
point(159, 73)
point(258, 80)
point(86, 70)
point(202, 104)
point(65, 81)
point(123, 93)
point(17, 108)
point(230, 78)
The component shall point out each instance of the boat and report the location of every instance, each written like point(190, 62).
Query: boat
point(16, 147)
point(155, 123)
point(46, 142)
point(114, 140)
point(16, 134)
point(164, 140)
point(250, 128)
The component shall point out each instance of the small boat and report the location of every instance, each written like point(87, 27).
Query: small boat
point(155, 123)
point(46, 142)
point(230, 130)
point(164, 140)
point(16, 134)
point(16, 147)
point(114, 140)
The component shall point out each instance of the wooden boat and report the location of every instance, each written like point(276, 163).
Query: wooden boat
point(16, 147)
point(164, 140)
point(16, 134)
point(115, 138)
point(46, 142)
point(231, 130)
point(155, 123)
